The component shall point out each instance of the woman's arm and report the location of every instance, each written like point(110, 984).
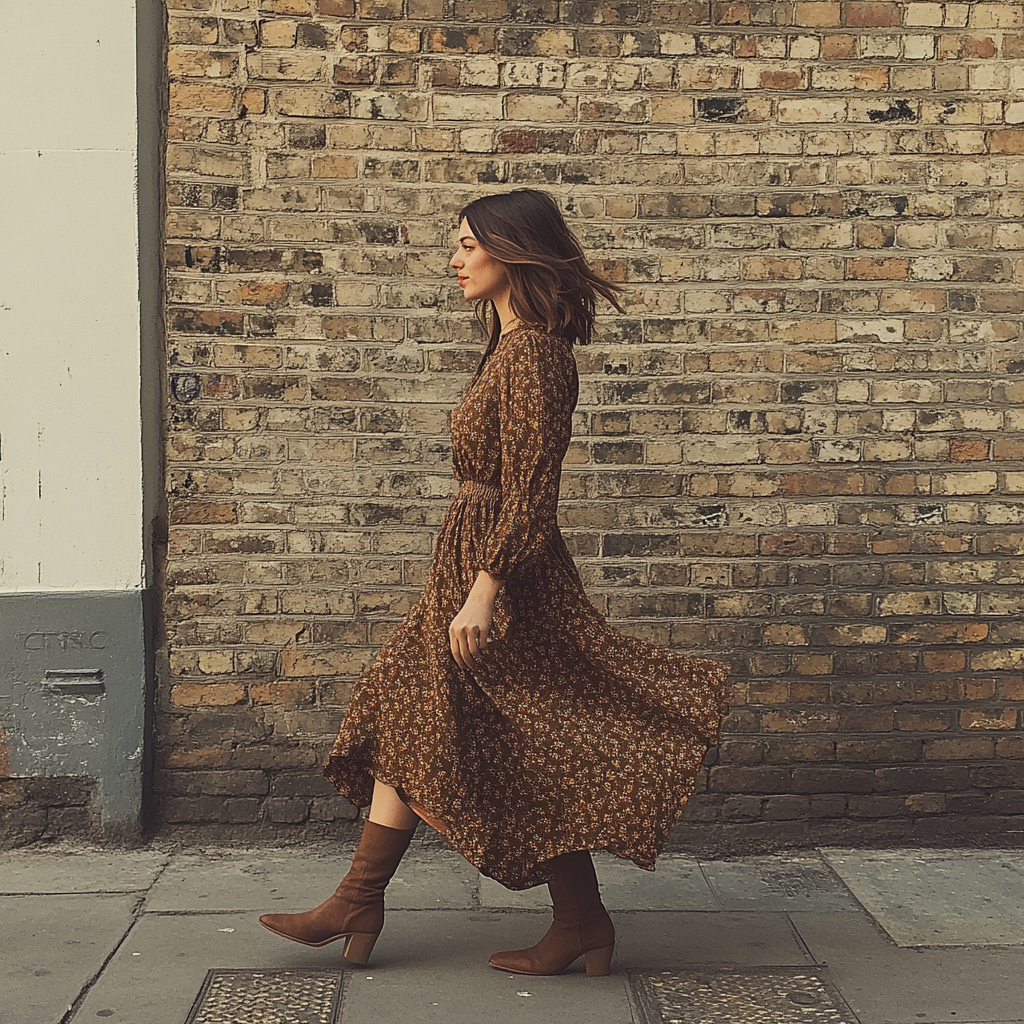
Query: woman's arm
point(536, 424)
point(536, 400)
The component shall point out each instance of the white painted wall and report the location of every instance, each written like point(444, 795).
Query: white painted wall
point(71, 505)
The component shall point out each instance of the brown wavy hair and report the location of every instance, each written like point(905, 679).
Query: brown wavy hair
point(552, 285)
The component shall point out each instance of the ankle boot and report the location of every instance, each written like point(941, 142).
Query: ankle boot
point(356, 910)
point(581, 926)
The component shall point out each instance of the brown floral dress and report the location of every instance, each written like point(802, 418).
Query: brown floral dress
point(570, 736)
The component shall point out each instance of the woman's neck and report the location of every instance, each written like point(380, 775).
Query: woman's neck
point(503, 307)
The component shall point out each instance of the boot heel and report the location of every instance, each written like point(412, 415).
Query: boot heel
point(599, 961)
point(358, 948)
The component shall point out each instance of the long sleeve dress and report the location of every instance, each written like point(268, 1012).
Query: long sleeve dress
point(570, 735)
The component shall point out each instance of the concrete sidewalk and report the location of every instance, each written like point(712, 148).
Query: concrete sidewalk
point(831, 936)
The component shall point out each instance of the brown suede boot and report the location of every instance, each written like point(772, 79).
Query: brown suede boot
point(581, 926)
point(356, 910)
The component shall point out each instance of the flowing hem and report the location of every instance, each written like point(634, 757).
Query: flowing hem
point(473, 853)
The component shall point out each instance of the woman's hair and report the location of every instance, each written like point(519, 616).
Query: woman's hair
point(552, 283)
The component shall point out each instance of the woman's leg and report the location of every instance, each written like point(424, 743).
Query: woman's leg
point(387, 808)
point(356, 910)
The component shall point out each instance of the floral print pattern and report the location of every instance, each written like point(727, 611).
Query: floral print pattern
point(570, 735)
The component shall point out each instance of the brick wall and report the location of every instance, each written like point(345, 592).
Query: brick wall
point(46, 809)
point(800, 450)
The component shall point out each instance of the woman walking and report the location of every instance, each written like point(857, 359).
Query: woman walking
point(504, 711)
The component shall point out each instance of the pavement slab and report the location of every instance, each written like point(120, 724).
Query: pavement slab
point(778, 883)
point(35, 871)
point(278, 882)
point(271, 882)
point(51, 947)
point(939, 897)
point(886, 984)
point(663, 941)
point(677, 884)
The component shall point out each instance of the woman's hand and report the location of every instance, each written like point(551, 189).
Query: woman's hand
point(470, 630)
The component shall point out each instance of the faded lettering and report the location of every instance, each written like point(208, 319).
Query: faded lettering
point(66, 640)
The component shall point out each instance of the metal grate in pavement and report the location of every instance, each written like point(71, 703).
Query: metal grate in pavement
point(268, 997)
point(715, 995)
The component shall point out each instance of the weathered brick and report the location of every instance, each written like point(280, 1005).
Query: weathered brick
point(196, 810)
point(957, 749)
point(222, 694)
point(286, 810)
point(192, 31)
point(817, 14)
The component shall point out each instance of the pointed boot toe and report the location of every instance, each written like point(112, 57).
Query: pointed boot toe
point(554, 955)
point(314, 928)
point(339, 915)
point(515, 961)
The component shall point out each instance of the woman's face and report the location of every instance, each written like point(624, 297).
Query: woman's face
point(481, 276)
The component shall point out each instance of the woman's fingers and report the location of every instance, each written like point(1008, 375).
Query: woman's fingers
point(460, 649)
point(468, 649)
point(457, 651)
point(478, 640)
point(467, 645)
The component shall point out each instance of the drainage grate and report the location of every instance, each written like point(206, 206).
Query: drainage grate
point(703, 995)
point(268, 997)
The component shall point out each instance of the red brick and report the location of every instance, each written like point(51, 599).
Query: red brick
point(968, 449)
point(873, 15)
point(944, 661)
point(877, 269)
point(977, 46)
point(1007, 140)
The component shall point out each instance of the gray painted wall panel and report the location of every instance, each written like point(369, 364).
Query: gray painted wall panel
point(73, 693)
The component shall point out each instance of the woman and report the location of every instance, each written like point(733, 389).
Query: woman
point(504, 711)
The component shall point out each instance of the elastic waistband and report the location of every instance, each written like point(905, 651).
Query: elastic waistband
point(474, 489)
